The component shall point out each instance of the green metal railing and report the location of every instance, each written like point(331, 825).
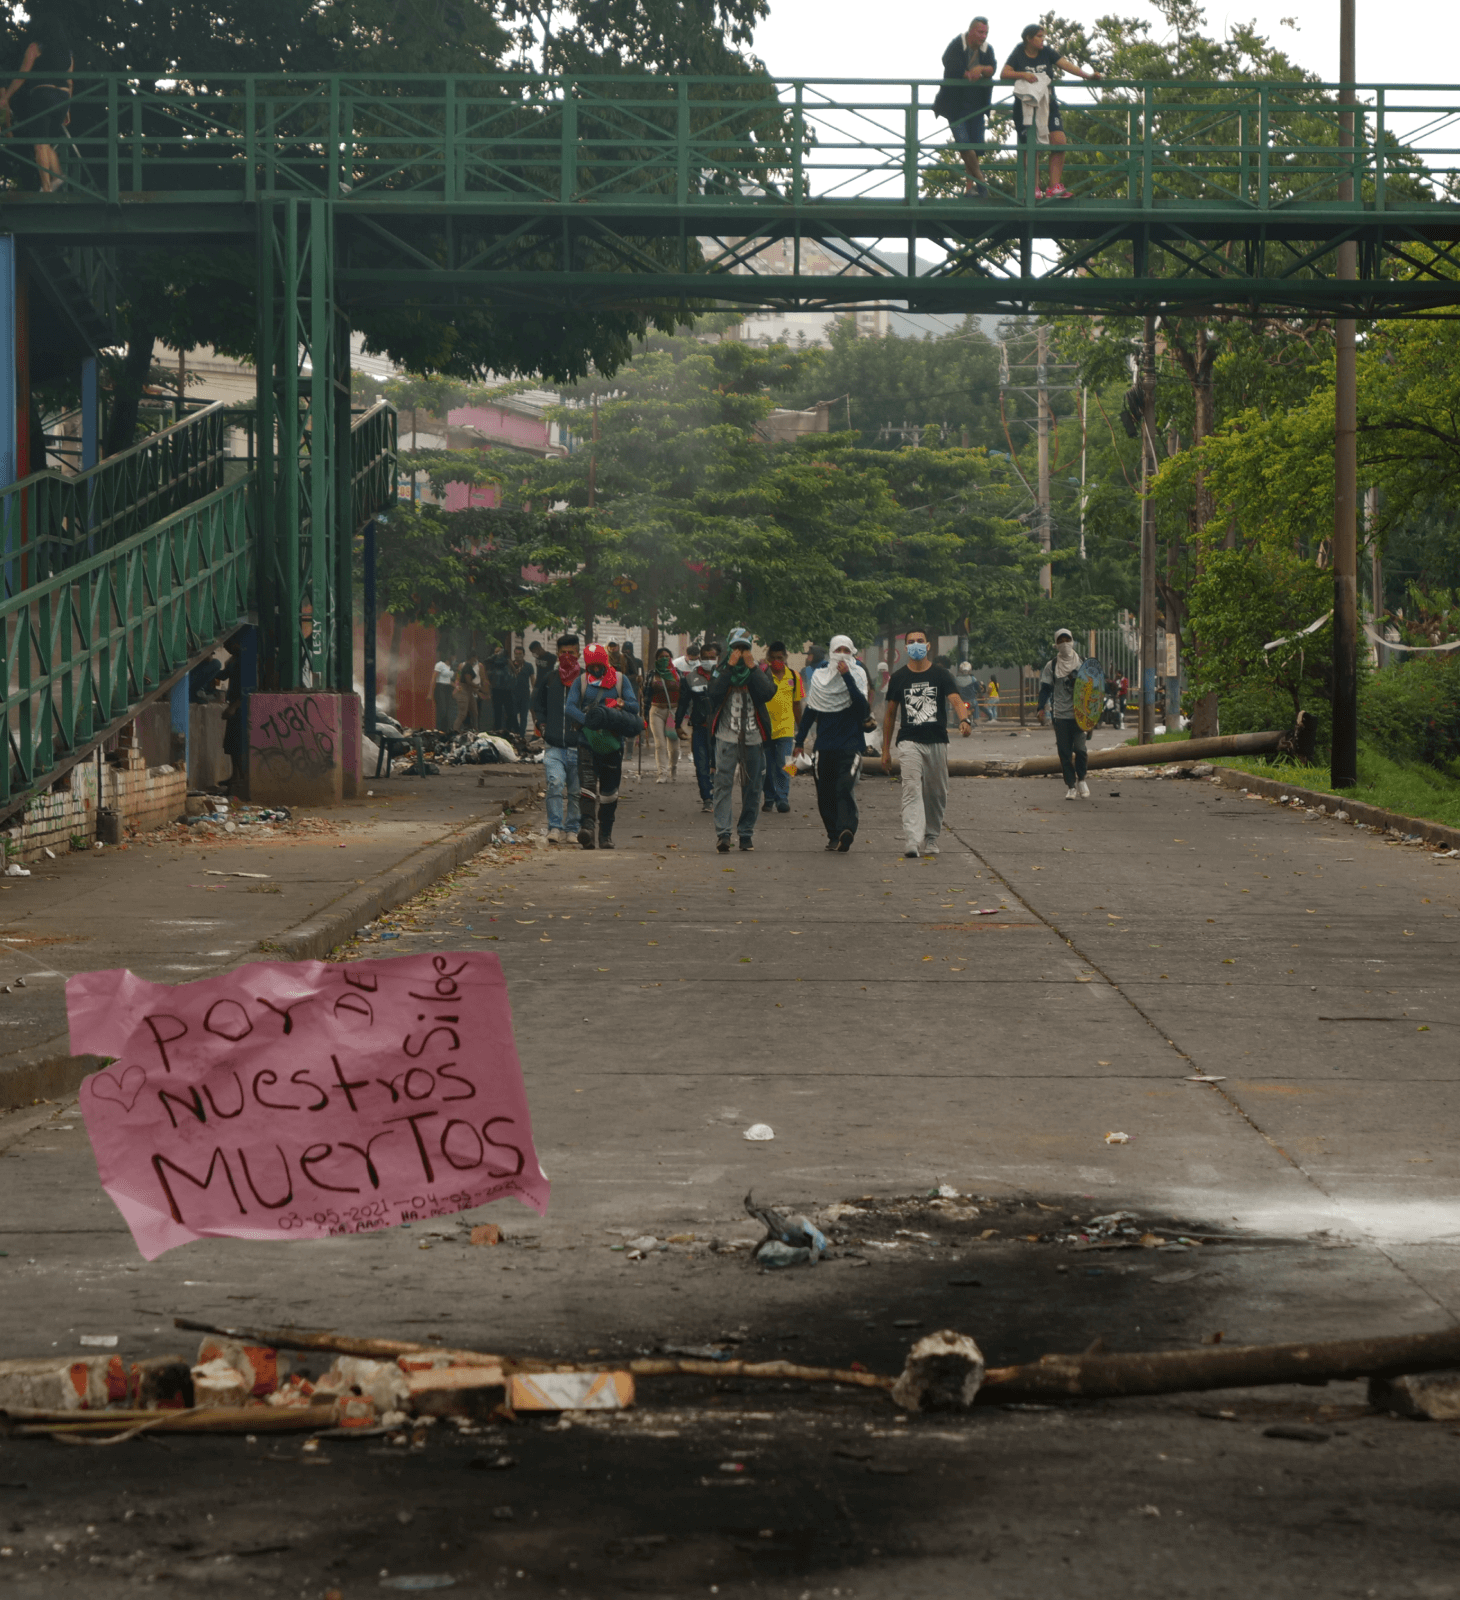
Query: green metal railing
point(84, 648)
point(126, 606)
point(671, 142)
point(51, 520)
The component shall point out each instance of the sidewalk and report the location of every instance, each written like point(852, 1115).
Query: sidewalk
point(171, 905)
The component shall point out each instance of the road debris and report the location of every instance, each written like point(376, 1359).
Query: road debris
point(759, 1132)
point(789, 1241)
point(1117, 1138)
point(1426, 1396)
point(944, 1372)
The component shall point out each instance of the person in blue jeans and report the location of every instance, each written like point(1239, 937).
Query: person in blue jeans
point(694, 707)
point(783, 712)
point(739, 694)
point(560, 736)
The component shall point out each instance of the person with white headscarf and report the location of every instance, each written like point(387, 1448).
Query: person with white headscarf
point(837, 707)
point(1057, 691)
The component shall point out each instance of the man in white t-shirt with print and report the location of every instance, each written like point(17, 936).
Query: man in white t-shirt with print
point(922, 690)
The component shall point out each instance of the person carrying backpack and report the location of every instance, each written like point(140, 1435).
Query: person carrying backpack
point(603, 705)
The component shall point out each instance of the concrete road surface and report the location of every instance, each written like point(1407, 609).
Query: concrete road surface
point(896, 1039)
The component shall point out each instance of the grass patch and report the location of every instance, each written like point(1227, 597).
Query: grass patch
point(1412, 788)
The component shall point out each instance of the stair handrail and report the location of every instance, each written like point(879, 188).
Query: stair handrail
point(51, 519)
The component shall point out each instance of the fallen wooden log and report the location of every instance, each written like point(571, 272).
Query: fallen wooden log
point(664, 1367)
point(1124, 755)
point(1099, 1376)
point(201, 1419)
point(322, 1340)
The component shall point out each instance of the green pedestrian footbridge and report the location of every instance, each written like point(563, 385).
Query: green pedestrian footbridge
point(555, 197)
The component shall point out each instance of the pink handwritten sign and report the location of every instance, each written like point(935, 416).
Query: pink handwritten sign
point(295, 1100)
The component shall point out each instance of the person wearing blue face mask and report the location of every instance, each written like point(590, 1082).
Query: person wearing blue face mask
point(922, 690)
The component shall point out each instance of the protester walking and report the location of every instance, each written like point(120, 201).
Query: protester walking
point(815, 657)
point(837, 710)
point(687, 663)
point(442, 690)
point(991, 705)
point(662, 695)
point(1031, 68)
point(923, 690)
point(783, 712)
point(519, 693)
point(541, 661)
point(603, 704)
point(694, 707)
point(1057, 691)
point(965, 103)
point(560, 740)
point(738, 695)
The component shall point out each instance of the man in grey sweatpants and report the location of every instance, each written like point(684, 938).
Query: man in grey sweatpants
point(922, 690)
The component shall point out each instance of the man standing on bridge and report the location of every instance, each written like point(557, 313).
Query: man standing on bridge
point(966, 104)
point(924, 689)
point(1034, 62)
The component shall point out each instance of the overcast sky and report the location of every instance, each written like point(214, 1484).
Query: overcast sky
point(863, 39)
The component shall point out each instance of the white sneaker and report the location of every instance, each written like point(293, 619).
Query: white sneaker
point(1072, 794)
point(1084, 790)
point(929, 848)
point(554, 836)
point(661, 779)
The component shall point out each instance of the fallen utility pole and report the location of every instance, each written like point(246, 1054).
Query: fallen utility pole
point(1127, 755)
point(1114, 1377)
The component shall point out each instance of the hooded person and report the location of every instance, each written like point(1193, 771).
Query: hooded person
point(739, 694)
point(838, 709)
point(559, 735)
point(1057, 691)
point(694, 708)
point(603, 705)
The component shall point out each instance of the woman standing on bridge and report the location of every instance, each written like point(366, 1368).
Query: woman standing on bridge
point(1035, 62)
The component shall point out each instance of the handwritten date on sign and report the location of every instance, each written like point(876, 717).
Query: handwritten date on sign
point(293, 1100)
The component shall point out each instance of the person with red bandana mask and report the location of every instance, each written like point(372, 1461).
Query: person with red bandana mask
point(560, 738)
point(603, 705)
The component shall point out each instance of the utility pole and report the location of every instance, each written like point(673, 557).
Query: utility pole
point(1376, 570)
point(1148, 534)
point(592, 496)
point(1041, 381)
point(1084, 441)
point(1343, 771)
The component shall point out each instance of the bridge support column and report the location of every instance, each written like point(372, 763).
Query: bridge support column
point(302, 353)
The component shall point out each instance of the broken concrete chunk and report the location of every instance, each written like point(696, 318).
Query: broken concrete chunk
point(161, 1383)
point(486, 1233)
point(570, 1391)
point(456, 1392)
point(218, 1383)
point(943, 1373)
point(51, 1384)
point(1425, 1396)
point(381, 1382)
point(260, 1365)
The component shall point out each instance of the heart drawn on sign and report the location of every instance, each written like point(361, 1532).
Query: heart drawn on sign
point(121, 1091)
